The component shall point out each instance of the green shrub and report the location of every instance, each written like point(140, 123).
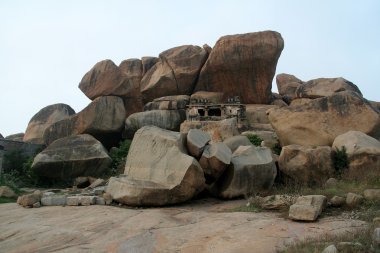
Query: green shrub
point(340, 159)
point(119, 155)
point(17, 170)
point(277, 149)
point(254, 139)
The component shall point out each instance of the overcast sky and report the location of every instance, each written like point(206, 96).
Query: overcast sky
point(47, 46)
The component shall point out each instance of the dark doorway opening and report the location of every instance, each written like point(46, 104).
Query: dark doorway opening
point(215, 112)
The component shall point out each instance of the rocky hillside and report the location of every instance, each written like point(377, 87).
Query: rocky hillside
point(299, 131)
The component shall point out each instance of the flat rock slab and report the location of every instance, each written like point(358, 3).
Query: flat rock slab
point(199, 226)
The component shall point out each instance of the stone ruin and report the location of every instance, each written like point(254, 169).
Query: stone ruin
point(204, 110)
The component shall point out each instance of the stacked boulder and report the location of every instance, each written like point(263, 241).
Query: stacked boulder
point(161, 169)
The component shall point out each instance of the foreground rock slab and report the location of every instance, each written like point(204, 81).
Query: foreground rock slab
point(201, 226)
point(158, 171)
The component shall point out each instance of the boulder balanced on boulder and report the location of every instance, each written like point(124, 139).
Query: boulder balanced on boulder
point(158, 171)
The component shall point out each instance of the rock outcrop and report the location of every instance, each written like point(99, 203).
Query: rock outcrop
point(252, 170)
point(174, 74)
point(243, 65)
point(321, 120)
point(103, 118)
point(165, 119)
point(43, 119)
point(218, 130)
point(307, 165)
point(147, 63)
point(363, 154)
point(70, 157)
point(157, 172)
point(287, 86)
point(290, 87)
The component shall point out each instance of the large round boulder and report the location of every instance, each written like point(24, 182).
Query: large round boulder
point(363, 153)
point(44, 118)
point(158, 171)
point(307, 165)
point(165, 119)
point(174, 74)
point(243, 65)
point(70, 157)
point(319, 121)
point(287, 86)
point(104, 79)
point(252, 171)
point(108, 79)
point(103, 118)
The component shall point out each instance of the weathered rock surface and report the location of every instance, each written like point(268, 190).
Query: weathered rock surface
point(252, 170)
point(7, 192)
point(258, 113)
point(215, 159)
point(168, 103)
point(372, 194)
point(243, 65)
point(54, 200)
point(157, 172)
point(325, 87)
point(376, 239)
point(330, 249)
point(165, 119)
point(133, 71)
point(353, 199)
point(275, 202)
point(212, 97)
point(287, 86)
point(197, 226)
point(320, 121)
point(147, 63)
point(290, 87)
point(1, 136)
point(28, 200)
point(174, 74)
point(104, 79)
point(44, 118)
point(337, 201)
point(307, 165)
point(15, 137)
point(363, 153)
point(235, 142)
point(196, 141)
point(218, 130)
point(103, 118)
point(307, 208)
point(80, 155)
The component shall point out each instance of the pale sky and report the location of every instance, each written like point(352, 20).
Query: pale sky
point(47, 46)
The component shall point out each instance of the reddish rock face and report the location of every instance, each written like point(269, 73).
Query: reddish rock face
point(104, 79)
point(107, 79)
point(243, 65)
point(174, 74)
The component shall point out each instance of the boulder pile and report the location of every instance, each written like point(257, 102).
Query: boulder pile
point(171, 159)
